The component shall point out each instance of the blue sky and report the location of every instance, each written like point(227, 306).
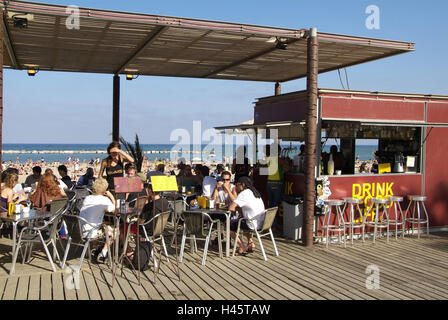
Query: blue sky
point(57, 107)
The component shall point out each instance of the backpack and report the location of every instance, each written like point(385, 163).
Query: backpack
point(145, 255)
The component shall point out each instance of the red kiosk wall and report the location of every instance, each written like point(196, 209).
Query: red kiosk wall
point(436, 176)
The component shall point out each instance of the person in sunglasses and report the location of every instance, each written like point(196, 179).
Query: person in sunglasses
point(225, 192)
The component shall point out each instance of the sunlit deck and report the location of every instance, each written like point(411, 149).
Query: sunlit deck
point(409, 269)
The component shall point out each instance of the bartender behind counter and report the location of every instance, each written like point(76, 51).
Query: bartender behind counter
point(337, 158)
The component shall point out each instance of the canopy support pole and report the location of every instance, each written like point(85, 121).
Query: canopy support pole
point(310, 138)
point(1, 89)
point(116, 109)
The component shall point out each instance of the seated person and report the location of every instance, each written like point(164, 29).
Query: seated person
point(60, 183)
point(156, 202)
point(218, 171)
point(187, 180)
point(93, 209)
point(208, 182)
point(208, 185)
point(47, 189)
point(64, 176)
point(35, 177)
point(225, 192)
point(7, 192)
point(84, 179)
point(250, 205)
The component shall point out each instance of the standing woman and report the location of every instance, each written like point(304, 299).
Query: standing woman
point(114, 163)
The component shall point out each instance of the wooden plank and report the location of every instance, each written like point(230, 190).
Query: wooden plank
point(189, 284)
point(90, 283)
point(68, 281)
point(10, 288)
point(82, 293)
point(214, 294)
point(394, 280)
point(34, 287)
point(45, 286)
point(283, 279)
point(3, 281)
point(186, 292)
point(58, 286)
point(251, 282)
point(312, 280)
point(122, 289)
point(212, 280)
point(149, 287)
point(223, 269)
point(349, 269)
point(22, 288)
point(407, 272)
point(101, 283)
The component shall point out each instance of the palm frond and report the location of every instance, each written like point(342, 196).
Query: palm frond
point(135, 152)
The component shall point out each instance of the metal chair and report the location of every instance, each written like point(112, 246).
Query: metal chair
point(334, 208)
point(178, 206)
point(269, 217)
point(198, 225)
point(417, 209)
point(41, 231)
point(379, 222)
point(396, 212)
point(79, 239)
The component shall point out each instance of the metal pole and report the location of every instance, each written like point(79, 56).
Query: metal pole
point(116, 109)
point(310, 138)
point(1, 90)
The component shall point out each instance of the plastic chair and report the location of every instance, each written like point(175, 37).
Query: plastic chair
point(264, 231)
point(198, 225)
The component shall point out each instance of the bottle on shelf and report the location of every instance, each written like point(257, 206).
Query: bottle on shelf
point(330, 166)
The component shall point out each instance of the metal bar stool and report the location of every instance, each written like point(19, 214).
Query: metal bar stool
point(334, 207)
point(396, 212)
point(379, 222)
point(418, 202)
point(352, 203)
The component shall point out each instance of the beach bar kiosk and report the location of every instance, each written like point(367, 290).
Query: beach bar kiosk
point(410, 130)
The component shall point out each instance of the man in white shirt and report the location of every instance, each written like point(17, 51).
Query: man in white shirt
point(93, 209)
point(251, 206)
point(208, 183)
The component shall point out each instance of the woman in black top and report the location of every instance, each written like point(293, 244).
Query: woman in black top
point(114, 163)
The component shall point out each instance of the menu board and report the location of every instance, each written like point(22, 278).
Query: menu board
point(164, 183)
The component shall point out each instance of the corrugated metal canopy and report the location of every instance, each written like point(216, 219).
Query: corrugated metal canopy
point(117, 43)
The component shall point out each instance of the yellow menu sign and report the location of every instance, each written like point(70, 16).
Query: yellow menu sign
point(164, 183)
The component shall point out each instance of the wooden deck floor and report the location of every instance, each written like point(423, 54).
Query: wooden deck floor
point(408, 269)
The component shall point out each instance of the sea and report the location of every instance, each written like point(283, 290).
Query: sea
point(63, 152)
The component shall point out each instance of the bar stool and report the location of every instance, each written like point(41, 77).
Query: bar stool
point(352, 203)
point(395, 211)
point(334, 208)
point(379, 223)
point(418, 202)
